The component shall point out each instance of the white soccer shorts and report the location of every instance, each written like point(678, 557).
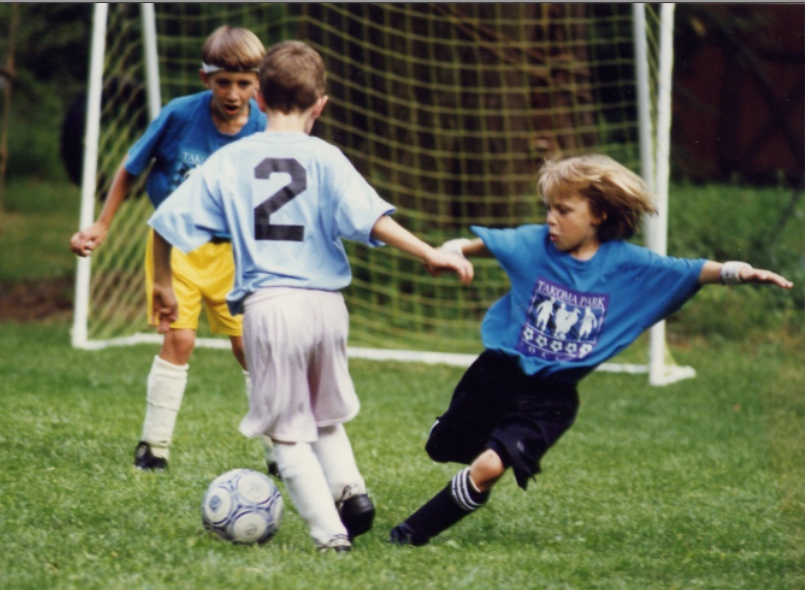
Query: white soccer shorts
point(296, 351)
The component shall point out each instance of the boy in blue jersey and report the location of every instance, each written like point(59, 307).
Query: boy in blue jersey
point(186, 132)
point(579, 295)
point(288, 200)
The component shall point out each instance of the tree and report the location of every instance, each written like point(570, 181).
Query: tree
point(7, 76)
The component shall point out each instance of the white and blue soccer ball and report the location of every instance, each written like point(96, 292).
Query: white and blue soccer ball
point(242, 506)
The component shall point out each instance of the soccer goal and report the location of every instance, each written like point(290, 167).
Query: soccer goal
point(447, 109)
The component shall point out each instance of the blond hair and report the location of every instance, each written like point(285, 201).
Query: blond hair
point(613, 192)
point(233, 49)
point(292, 77)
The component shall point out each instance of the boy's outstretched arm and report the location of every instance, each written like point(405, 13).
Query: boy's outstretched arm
point(164, 307)
point(85, 241)
point(466, 248)
point(733, 273)
point(392, 233)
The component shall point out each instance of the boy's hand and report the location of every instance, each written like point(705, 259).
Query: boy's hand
point(758, 275)
point(439, 260)
point(84, 242)
point(390, 232)
point(164, 308)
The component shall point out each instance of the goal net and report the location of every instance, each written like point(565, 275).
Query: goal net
point(446, 109)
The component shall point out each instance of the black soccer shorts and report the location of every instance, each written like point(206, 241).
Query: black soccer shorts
point(497, 406)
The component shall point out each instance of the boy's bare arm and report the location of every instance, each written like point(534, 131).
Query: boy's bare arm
point(392, 233)
point(165, 308)
point(467, 248)
point(729, 273)
point(85, 241)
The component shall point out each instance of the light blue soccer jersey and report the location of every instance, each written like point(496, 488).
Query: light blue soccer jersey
point(288, 200)
point(182, 137)
point(563, 317)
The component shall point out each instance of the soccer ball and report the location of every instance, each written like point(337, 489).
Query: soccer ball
point(242, 506)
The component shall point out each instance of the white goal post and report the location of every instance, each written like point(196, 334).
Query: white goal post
point(653, 64)
point(655, 169)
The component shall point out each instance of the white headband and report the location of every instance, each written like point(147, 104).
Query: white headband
point(208, 69)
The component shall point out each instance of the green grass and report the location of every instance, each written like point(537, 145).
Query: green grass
point(696, 485)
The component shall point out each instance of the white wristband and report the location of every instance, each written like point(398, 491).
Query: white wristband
point(454, 246)
point(731, 272)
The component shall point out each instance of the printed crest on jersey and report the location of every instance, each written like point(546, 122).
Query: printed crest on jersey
point(562, 324)
point(187, 162)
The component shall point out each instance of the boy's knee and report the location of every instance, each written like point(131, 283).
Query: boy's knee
point(486, 469)
point(443, 446)
point(436, 452)
point(432, 446)
point(177, 348)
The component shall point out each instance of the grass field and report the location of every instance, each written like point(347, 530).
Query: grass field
point(695, 485)
point(698, 485)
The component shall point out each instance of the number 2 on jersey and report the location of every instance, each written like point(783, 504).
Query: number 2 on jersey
point(263, 229)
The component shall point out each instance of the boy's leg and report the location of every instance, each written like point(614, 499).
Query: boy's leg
point(307, 485)
point(481, 396)
point(271, 457)
point(346, 485)
point(460, 436)
point(167, 381)
point(456, 500)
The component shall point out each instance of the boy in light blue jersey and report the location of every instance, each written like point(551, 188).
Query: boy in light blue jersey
point(184, 134)
point(288, 200)
point(579, 295)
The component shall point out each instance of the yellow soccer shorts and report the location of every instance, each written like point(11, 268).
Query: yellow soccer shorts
point(204, 275)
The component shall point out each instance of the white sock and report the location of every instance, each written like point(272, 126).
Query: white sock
point(306, 485)
point(268, 444)
point(336, 458)
point(165, 389)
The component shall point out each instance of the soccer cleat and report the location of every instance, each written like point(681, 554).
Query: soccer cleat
point(357, 513)
point(338, 544)
point(145, 460)
point(274, 470)
point(403, 534)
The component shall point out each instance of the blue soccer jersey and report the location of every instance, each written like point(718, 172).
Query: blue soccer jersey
point(182, 137)
point(563, 317)
point(287, 199)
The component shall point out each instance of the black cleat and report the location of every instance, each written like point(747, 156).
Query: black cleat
point(357, 513)
point(403, 534)
point(274, 470)
point(145, 460)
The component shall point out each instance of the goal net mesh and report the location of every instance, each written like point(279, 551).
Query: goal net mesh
point(446, 109)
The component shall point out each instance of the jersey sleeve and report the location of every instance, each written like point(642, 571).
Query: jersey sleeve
point(500, 242)
point(665, 281)
point(516, 249)
point(145, 149)
point(192, 214)
point(357, 204)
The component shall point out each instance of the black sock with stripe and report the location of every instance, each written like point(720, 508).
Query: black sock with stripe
point(451, 504)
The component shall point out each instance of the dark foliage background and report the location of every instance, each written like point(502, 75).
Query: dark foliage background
point(52, 61)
